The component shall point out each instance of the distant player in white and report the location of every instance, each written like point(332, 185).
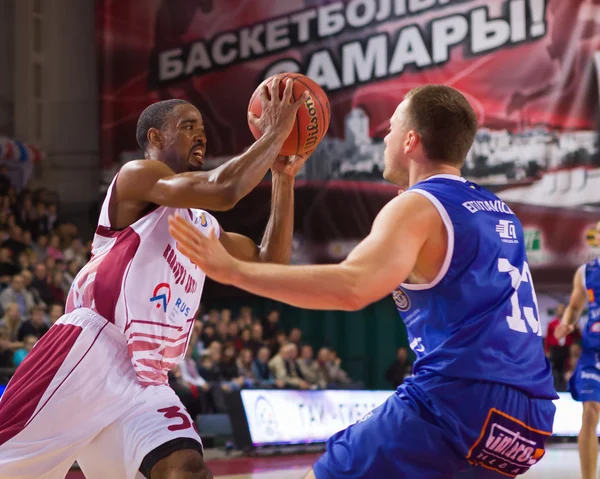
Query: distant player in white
point(94, 388)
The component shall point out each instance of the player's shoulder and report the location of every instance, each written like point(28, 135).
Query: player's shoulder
point(145, 166)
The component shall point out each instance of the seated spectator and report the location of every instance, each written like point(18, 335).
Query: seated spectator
point(221, 333)
point(39, 248)
point(245, 337)
point(226, 316)
point(72, 270)
point(399, 369)
point(256, 340)
point(28, 344)
point(36, 326)
point(57, 286)
point(308, 365)
point(7, 350)
point(245, 318)
point(198, 344)
point(296, 337)
point(285, 368)
point(213, 316)
point(27, 283)
point(56, 312)
point(233, 335)
point(271, 325)
point(40, 282)
point(15, 241)
point(16, 293)
point(278, 342)
point(329, 371)
point(12, 320)
point(7, 265)
point(75, 253)
point(197, 385)
point(208, 334)
point(229, 370)
point(244, 365)
point(261, 371)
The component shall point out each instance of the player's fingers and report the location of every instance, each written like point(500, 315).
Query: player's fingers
point(265, 96)
point(213, 233)
point(275, 89)
point(253, 119)
point(303, 99)
point(181, 231)
point(192, 253)
point(287, 93)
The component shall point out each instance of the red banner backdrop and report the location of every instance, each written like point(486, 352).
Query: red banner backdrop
point(529, 67)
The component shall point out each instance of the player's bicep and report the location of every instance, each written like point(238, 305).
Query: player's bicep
point(386, 257)
point(240, 246)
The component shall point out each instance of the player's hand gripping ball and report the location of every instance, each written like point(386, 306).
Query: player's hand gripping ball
point(312, 119)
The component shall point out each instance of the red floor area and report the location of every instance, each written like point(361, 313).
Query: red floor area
point(245, 465)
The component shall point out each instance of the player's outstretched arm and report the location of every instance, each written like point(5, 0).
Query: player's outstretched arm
point(276, 245)
point(148, 181)
point(573, 311)
point(373, 269)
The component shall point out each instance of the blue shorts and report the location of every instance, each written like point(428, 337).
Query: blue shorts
point(584, 384)
point(456, 429)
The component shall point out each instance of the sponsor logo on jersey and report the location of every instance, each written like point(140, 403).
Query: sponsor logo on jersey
point(507, 445)
point(161, 296)
point(417, 346)
point(591, 296)
point(496, 206)
point(401, 299)
point(588, 375)
point(507, 231)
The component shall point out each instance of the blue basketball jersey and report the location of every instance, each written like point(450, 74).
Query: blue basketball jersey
point(591, 332)
point(479, 317)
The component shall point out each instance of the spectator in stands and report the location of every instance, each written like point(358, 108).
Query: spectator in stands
point(75, 254)
point(53, 249)
point(213, 317)
point(7, 350)
point(271, 325)
point(208, 334)
point(40, 248)
point(399, 369)
point(296, 337)
point(226, 316)
point(12, 320)
point(233, 335)
point(7, 265)
point(262, 372)
point(57, 287)
point(221, 333)
point(308, 365)
point(28, 344)
point(230, 373)
point(36, 326)
point(256, 340)
point(15, 242)
point(16, 293)
point(245, 318)
point(195, 383)
point(198, 343)
point(245, 337)
point(278, 342)
point(338, 375)
point(40, 282)
point(72, 270)
point(559, 349)
point(27, 283)
point(56, 311)
point(244, 364)
point(285, 368)
point(329, 371)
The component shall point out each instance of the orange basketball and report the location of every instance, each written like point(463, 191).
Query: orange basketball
point(312, 119)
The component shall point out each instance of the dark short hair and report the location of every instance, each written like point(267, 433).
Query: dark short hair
point(155, 116)
point(445, 120)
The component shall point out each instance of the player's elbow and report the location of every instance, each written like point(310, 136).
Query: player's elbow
point(355, 299)
point(228, 197)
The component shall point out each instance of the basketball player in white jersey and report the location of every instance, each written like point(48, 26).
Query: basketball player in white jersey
point(94, 388)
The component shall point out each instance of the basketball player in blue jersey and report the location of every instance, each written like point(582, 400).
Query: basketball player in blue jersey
point(585, 381)
point(453, 254)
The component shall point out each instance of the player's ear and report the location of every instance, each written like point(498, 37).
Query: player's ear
point(155, 138)
point(411, 141)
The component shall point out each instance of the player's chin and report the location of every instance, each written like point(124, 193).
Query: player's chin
point(194, 164)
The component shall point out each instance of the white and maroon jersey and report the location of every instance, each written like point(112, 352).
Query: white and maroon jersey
point(138, 280)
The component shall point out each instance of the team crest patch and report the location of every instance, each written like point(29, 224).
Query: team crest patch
point(401, 299)
point(507, 446)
